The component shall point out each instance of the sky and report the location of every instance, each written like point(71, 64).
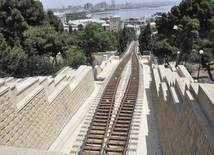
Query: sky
point(60, 3)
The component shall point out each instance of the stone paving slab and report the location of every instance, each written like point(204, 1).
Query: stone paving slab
point(6, 150)
point(149, 143)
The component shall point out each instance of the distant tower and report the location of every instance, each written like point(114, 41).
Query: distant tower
point(113, 3)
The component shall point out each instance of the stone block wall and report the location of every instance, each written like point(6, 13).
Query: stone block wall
point(41, 120)
point(182, 131)
point(104, 65)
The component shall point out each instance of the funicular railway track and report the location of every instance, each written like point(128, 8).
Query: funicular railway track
point(109, 131)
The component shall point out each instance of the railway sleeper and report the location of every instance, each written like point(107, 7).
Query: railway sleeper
point(101, 117)
point(102, 113)
point(127, 108)
point(98, 124)
point(103, 101)
point(117, 143)
point(120, 133)
point(125, 114)
point(89, 152)
point(92, 148)
point(94, 141)
point(96, 132)
point(102, 110)
point(104, 106)
point(100, 120)
point(124, 117)
point(119, 121)
point(97, 128)
point(89, 136)
point(113, 149)
point(121, 125)
point(131, 95)
point(120, 130)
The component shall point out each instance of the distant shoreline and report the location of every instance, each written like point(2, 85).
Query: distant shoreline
point(133, 12)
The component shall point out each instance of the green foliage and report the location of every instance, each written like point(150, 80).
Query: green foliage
point(16, 16)
point(32, 11)
point(96, 39)
point(75, 57)
point(41, 40)
point(188, 35)
point(76, 16)
point(29, 36)
point(145, 39)
point(70, 29)
point(12, 62)
point(161, 49)
point(80, 27)
point(195, 22)
point(39, 66)
point(190, 68)
point(54, 21)
point(125, 37)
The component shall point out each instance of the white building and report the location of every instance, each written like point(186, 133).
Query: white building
point(75, 23)
point(116, 23)
point(107, 26)
point(61, 16)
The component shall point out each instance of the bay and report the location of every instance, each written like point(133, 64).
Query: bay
point(133, 13)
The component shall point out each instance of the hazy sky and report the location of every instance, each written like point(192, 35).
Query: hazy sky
point(60, 3)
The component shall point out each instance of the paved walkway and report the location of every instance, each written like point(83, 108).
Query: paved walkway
point(149, 143)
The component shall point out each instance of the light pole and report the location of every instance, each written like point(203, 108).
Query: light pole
point(200, 52)
point(178, 53)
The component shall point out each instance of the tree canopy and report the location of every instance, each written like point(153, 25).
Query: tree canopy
point(193, 20)
point(145, 38)
point(29, 36)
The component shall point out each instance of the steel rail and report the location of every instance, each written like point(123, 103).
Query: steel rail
point(108, 89)
point(129, 89)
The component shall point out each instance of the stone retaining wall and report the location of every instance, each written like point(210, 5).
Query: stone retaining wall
point(184, 125)
point(37, 123)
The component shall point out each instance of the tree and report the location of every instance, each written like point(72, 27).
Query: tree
point(54, 21)
point(16, 16)
point(12, 61)
point(194, 19)
point(80, 27)
point(41, 40)
point(124, 37)
point(75, 57)
point(28, 37)
point(162, 49)
point(32, 11)
point(70, 29)
point(145, 38)
point(96, 39)
point(208, 46)
point(187, 37)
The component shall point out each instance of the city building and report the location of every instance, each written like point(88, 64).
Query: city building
point(61, 16)
point(101, 6)
point(69, 7)
point(113, 4)
point(106, 26)
point(88, 6)
point(152, 25)
point(128, 4)
point(116, 23)
point(75, 23)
